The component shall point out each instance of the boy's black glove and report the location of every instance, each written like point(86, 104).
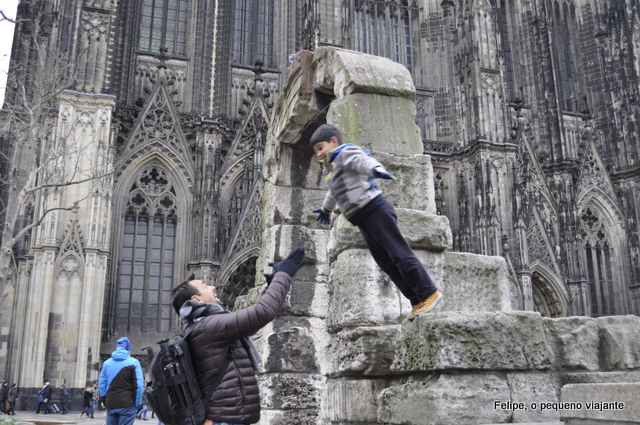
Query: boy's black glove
point(381, 173)
point(289, 265)
point(324, 216)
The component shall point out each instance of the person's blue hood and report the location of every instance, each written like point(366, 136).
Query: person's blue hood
point(124, 343)
point(334, 153)
point(120, 354)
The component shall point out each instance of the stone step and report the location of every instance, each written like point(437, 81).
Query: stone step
point(536, 423)
point(601, 403)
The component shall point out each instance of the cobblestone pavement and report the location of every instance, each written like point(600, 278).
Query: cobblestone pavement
point(70, 418)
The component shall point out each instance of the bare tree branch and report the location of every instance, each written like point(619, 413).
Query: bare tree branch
point(6, 18)
point(47, 155)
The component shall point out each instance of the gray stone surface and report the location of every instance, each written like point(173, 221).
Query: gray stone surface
point(620, 342)
point(447, 399)
point(291, 417)
point(291, 390)
point(343, 72)
point(605, 402)
point(364, 119)
point(528, 388)
point(482, 340)
point(576, 342)
point(361, 291)
point(469, 282)
point(278, 241)
point(295, 105)
point(421, 230)
point(413, 188)
point(289, 347)
point(341, 351)
point(291, 206)
point(362, 294)
point(353, 401)
point(366, 351)
point(599, 377)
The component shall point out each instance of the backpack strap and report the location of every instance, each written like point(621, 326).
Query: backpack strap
point(190, 327)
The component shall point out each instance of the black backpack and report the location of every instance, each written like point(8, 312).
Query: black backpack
point(174, 393)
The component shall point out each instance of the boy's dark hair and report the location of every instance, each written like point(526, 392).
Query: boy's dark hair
point(324, 133)
point(183, 293)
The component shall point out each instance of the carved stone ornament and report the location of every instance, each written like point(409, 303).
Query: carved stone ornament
point(94, 25)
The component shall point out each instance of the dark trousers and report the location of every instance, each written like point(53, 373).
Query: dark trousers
point(394, 255)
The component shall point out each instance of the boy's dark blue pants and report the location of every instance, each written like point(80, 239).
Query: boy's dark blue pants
point(394, 255)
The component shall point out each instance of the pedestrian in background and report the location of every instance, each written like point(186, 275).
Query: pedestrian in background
point(64, 399)
point(12, 396)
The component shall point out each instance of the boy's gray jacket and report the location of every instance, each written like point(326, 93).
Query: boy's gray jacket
point(350, 178)
point(237, 399)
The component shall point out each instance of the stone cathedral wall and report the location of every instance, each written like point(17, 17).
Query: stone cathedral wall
point(341, 351)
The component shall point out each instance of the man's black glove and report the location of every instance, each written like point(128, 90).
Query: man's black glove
point(289, 265)
point(324, 216)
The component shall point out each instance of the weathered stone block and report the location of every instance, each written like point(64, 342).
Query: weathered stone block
point(414, 188)
point(471, 282)
point(364, 351)
point(601, 402)
point(479, 340)
point(446, 399)
point(620, 341)
point(362, 294)
point(291, 391)
point(249, 298)
point(292, 206)
point(364, 120)
point(292, 345)
point(353, 401)
point(288, 159)
point(420, 229)
point(528, 388)
point(278, 242)
point(309, 293)
point(599, 377)
point(296, 167)
point(296, 103)
point(304, 299)
point(290, 417)
point(575, 341)
point(343, 72)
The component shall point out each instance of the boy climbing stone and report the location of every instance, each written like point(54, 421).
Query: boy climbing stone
point(351, 174)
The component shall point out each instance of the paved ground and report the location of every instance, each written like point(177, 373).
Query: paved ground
point(69, 419)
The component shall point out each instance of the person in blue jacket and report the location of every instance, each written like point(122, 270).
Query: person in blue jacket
point(121, 384)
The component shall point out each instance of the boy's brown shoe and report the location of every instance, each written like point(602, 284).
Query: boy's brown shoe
point(425, 305)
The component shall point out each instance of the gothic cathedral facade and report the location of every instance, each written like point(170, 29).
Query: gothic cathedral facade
point(530, 111)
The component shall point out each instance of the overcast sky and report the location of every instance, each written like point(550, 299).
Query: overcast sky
point(6, 38)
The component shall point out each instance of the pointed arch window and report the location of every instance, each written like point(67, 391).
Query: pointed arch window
point(163, 23)
point(598, 256)
point(564, 17)
point(253, 32)
point(147, 261)
point(384, 29)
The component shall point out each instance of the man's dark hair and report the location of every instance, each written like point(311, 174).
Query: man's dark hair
point(183, 293)
point(324, 133)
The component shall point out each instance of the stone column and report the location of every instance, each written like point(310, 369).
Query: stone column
point(38, 305)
